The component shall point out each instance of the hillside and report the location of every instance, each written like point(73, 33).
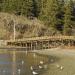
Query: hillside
point(50, 17)
point(24, 27)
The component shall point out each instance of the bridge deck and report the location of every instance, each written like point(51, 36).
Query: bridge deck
point(44, 38)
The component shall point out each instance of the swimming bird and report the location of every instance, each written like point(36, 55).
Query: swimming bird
point(34, 73)
point(41, 62)
point(40, 67)
point(19, 70)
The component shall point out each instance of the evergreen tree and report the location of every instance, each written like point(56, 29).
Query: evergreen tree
point(27, 8)
point(7, 6)
point(43, 10)
point(68, 18)
point(49, 13)
point(36, 7)
point(60, 15)
point(1, 2)
point(52, 11)
point(20, 7)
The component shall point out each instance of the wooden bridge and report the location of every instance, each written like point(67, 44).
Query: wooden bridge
point(46, 42)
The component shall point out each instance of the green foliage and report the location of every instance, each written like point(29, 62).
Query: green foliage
point(27, 7)
point(57, 15)
point(68, 18)
point(43, 11)
point(52, 14)
point(52, 11)
point(60, 15)
point(19, 7)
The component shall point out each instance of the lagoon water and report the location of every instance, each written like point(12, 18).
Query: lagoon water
point(19, 63)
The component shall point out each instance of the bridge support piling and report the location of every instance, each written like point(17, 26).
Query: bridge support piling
point(46, 42)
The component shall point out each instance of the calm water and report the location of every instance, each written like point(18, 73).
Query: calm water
point(19, 63)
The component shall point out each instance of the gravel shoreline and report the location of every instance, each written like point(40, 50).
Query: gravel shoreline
point(56, 51)
point(63, 57)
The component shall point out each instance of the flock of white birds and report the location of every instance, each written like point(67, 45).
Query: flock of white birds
point(41, 67)
point(45, 66)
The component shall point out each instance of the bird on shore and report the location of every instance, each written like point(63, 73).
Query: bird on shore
point(57, 65)
point(61, 68)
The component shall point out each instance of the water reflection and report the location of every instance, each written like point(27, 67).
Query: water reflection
point(14, 62)
point(19, 63)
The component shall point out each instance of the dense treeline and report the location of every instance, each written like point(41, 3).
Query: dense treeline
point(58, 15)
